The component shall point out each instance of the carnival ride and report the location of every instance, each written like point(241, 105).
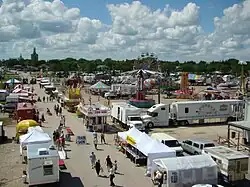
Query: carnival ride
point(184, 92)
point(146, 66)
point(73, 93)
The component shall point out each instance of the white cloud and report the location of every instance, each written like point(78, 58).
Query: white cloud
point(58, 31)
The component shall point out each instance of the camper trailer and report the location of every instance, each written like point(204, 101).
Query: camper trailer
point(232, 164)
point(42, 164)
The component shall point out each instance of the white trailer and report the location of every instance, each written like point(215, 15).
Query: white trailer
point(121, 111)
point(42, 165)
point(209, 111)
point(232, 164)
point(194, 112)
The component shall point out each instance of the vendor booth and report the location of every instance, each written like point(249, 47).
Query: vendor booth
point(94, 116)
point(142, 149)
point(185, 171)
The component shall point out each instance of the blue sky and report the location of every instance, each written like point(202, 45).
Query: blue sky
point(96, 9)
point(85, 29)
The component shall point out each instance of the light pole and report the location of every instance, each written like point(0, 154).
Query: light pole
point(243, 82)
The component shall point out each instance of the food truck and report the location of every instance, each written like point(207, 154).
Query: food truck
point(94, 116)
point(25, 111)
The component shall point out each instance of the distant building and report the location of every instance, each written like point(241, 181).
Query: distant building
point(34, 56)
point(20, 58)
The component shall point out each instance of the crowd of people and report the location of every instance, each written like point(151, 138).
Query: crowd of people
point(111, 167)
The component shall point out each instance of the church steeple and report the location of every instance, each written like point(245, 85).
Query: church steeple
point(34, 56)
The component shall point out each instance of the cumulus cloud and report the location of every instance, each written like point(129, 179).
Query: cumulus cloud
point(58, 31)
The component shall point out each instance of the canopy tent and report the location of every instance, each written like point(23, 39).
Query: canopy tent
point(144, 140)
point(34, 137)
point(36, 128)
point(13, 81)
point(153, 149)
point(99, 86)
point(132, 134)
point(188, 170)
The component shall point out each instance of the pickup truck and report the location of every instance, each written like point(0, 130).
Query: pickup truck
point(195, 146)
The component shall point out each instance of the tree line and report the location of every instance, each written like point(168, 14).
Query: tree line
point(230, 66)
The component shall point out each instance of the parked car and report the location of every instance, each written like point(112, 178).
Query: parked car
point(10, 107)
point(195, 146)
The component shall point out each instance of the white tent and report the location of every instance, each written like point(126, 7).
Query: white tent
point(12, 81)
point(188, 170)
point(34, 137)
point(36, 128)
point(133, 133)
point(155, 150)
point(143, 141)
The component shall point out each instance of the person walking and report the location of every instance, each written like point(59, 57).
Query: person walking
point(98, 167)
point(108, 163)
point(111, 176)
point(60, 111)
point(103, 138)
point(92, 159)
point(95, 143)
point(115, 166)
point(64, 121)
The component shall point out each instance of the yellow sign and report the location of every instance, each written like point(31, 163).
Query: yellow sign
point(130, 140)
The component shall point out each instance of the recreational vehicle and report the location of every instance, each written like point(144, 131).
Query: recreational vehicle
point(232, 164)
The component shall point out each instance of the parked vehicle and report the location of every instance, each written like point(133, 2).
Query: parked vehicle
point(123, 113)
point(195, 146)
point(232, 164)
point(9, 107)
point(193, 112)
point(169, 141)
point(135, 121)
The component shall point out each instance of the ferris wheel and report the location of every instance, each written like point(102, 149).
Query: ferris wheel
point(147, 61)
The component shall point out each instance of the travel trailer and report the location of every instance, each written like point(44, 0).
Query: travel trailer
point(232, 164)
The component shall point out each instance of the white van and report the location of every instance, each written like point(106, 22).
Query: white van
point(169, 141)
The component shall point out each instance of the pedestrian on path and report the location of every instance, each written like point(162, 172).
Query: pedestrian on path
point(111, 176)
point(64, 121)
point(103, 138)
point(115, 166)
point(92, 159)
point(60, 111)
point(108, 163)
point(95, 143)
point(98, 167)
